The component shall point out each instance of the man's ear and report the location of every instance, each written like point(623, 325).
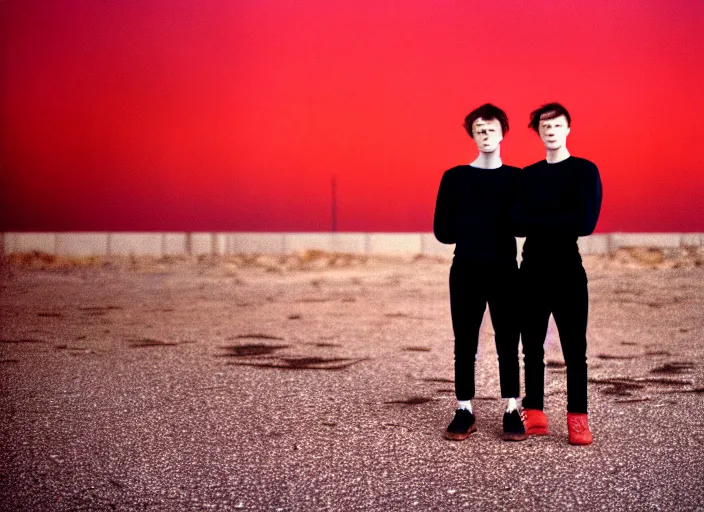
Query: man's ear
point(568, 131)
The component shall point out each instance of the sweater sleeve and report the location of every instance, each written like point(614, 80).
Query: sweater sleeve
point(589, 201)
point(445, 212)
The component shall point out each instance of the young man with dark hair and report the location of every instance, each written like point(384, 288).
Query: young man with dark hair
point(558, 200)
point(473, 211)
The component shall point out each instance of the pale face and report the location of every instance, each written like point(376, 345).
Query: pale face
point(487, 134)
point(554, 132)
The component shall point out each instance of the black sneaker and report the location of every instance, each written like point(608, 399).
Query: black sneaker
point(461, 426)
point(513, 427)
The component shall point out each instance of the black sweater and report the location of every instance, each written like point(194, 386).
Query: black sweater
point(555, 204)
point(473, 211)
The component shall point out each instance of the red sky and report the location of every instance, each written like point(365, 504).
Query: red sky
point(234, 115)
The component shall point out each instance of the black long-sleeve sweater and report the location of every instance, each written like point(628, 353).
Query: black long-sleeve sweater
point(555, 204)
point(473, 211)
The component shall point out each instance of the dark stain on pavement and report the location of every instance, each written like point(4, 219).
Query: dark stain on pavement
point(256, 336)
point(620, 387)
point(9, 360)
point(611, 356)
point(657, 353)
point(150, 342)
point(22, 340)
point(624, 386)
point(414, 400)
point(674, 368)
point(252, 350)
point(304, 363)
point(294, 317)
point(416, 349)
point(629, 343)
point(406, 315)
point(438, 379)
point(554, 364)
point(54, 315)
point(117, 484)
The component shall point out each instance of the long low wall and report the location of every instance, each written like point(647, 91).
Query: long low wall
point(175, 244)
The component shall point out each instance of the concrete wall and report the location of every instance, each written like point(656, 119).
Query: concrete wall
point(174, 244)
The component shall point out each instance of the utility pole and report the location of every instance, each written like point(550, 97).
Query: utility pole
point(334, 203)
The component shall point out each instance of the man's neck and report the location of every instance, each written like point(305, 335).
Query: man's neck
point(554, 156)
point(488, 160)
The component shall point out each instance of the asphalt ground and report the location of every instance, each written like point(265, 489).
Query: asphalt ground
point(257, 384)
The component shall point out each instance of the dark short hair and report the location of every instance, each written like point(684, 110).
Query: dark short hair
point(486, 111)
point(552, 110)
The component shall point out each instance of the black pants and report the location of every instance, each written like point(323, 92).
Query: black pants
point(562, 291)
point(472, 286)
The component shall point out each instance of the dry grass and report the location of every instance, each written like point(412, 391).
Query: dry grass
point(313, 259)
point(649, 257)
point(301, 260)
point(42, 260)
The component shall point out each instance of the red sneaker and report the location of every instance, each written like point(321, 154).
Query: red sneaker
point(535, 422)
point(578, 428)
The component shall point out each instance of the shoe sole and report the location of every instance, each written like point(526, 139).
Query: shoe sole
point(579, 443)
point(460, 437)
point(537, 431)
point(514, 437)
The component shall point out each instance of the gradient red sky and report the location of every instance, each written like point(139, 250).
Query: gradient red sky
point(233, 115)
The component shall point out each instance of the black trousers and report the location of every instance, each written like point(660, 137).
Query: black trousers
point(472, 285)
point(562, 292)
